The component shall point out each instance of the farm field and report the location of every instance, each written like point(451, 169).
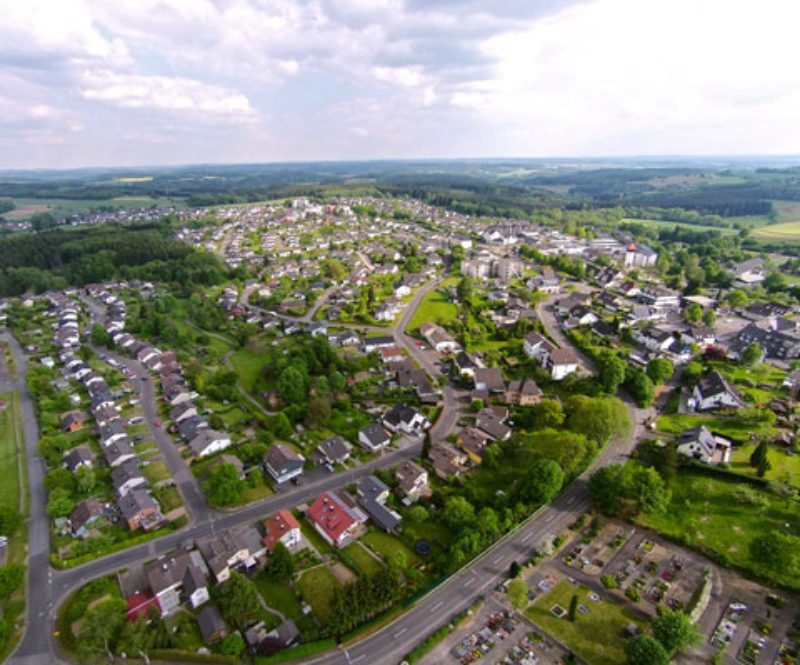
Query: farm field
point(788, 231)
point(605, 618)
point(27, 207)
point(720, 516)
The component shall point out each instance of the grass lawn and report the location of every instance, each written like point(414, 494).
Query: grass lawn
point(361, 559)
point(728, 427)
point(597, 637)
point(278, 596)
point(782, 463)
point(705, 513)
point(317, 587)
point(248, 366)
point(9, 472)
point(385, 545)
point(435, 307)
point(155, 472)
point(250, 494)
point(169, 498)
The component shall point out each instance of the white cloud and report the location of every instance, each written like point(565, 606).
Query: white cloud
point(164, 93)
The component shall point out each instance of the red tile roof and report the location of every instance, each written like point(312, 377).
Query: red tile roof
point(139, 604)
point(278, 526)
point(331, 516)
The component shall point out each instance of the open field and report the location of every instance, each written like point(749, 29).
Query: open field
point(605, 620)
point(9, 472)
point(715, 514)
point(317, 587)
point(27, 207)
point(728, 427)
point(785, 466)
point(435, 307)
point(788, 231)
point(248, 366)
point(666, 224)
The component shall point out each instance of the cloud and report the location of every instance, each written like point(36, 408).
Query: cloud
point(163, 93)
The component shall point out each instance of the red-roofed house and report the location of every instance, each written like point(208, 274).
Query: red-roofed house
point(281, 527)
point(139, 604)
point(336, 522)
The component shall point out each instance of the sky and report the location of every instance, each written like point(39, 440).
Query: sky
point(150, 82)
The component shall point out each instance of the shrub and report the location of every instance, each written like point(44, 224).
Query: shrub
point(632, 593)
point(608, 582)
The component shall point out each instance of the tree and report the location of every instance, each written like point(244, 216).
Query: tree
point(573, 607)
point(710, 318)
point(649, 491)
point(281, 564)
point(102, 626)
point(223, 485)
point(282, 426)
point(597, 418)
point(86, 480)
point(674, 630)
point(464, 289)
point(487, 521)
point(397, 560)
point(752, 355)
point(777, 552)
point(693, 313)
point(640, 387)
point(293, 385)
point(318, 412)
point(570, 450)
point(542, 481)
point(232, 645)
point(238, 597)
point(426, 445)
point(60, 503)
point(41, 221)
point(59, 478)
point(99, 336)
point(547, 413)
point(458, 512)
point(763, 466)
point(775, 283)
point(611, 369)
point(518, 593)
point(605, 486)
point(645, 650)
point(514, 570)
point(11, 578)
point(660, 370)
point(10, 521)
point(336, 381)
point(759, 454)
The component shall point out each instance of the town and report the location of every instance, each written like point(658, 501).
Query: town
point(408, 431)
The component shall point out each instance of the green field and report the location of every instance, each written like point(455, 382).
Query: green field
point(785, 466)
point(435, 307)
point(667, 224)
point(730, 427)
point(361, 559)
point(317, 587)
point(9, 472)
point(707, 513)
point(597, 637)
point(26, 207)
point(248, 366)
point(155, 472)
point(788, 231)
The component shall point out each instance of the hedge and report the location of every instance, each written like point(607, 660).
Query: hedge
point(176, 655)
point(301, 651)
point(728, 474)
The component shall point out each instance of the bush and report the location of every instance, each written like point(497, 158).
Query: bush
point(609, 582)
point(632, 593)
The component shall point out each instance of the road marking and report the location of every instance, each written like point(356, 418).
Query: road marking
point(356, 659)
point(437, 606)
point(549, 518)
point(570, 500)
point(527, 537)
point(400, 632)
point(497, 560)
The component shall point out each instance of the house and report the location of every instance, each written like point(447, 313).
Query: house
point(654, 339)
point(112, 432)
point(714, 392)
point(580, 315)
point(175, 394)
point(700, 444)
point(775, 344)
point(127, 476)
point(282, 527)
point(86, 513)
point(228, 459)
point(334, 450)
point(523, 392)
point(72, 421)
point(562, 362)
point(345, 338)
point(660, 297)
point(119, 452)
point(466, 365)
point(474, 442)
point(283, 463)
point(392, 354)
point(336, 521)
point(747, 273)
point(211, 625)
point(284, 636)
point(371, 344)
point(372, 495)
point(490, 379)
point(412, 481)
point(538, 347)
point(317, 329)
point(406, 419)
point(563, 306)
point(489, 422)
point(182, 411)
point(439, 339)
point(373, 437)
point(78, 457)
point(169, 578)
point(224, 551)
point(638, 255)
point(447, 460)
point(140, 510)
point(189, 428)
point(208, 441)
point(103, 415)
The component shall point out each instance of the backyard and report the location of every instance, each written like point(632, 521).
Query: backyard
point(317, 587)
point(785, 464)
point(358, 558)
point(385, 545)
point(597, 636)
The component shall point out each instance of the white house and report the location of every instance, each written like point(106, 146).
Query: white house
point(208, 441)
point(714, 392)
point(700, 444)
point(373, 437)
point(406, 419)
